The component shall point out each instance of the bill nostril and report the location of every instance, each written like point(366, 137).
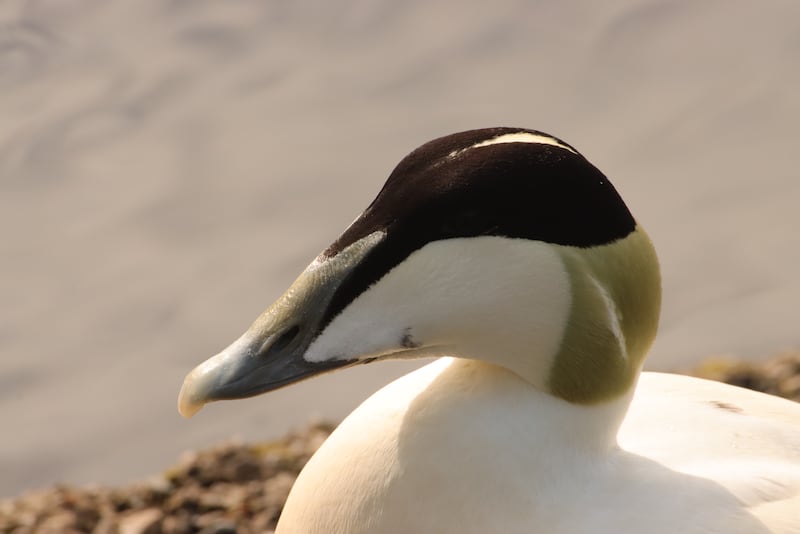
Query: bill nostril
point(287, 337)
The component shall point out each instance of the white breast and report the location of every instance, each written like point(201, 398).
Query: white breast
point(462, 446)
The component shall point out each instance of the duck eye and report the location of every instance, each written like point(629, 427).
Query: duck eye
point(287, 337)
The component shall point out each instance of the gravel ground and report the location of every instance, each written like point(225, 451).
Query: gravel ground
point(231, 488)
point(239, 488)
point(779, 375)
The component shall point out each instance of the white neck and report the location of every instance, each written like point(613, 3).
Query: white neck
point(446, 438)
point(465, 394)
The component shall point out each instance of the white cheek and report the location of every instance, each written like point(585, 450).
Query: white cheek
point(474, 295)
point(379, 320)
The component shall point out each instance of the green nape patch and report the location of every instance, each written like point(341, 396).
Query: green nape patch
point(600, 356)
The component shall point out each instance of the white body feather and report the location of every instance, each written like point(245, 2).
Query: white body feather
point(465, 447)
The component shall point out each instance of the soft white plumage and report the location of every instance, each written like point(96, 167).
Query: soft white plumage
point(462, 436)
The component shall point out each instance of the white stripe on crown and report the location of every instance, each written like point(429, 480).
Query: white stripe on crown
point(516, 137)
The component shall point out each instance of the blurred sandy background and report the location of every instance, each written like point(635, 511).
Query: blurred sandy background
point(168, 167)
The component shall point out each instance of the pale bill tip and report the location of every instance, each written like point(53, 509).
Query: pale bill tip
point(187, 404)
point(199, 385)
point(187, 407)
point(191, 398)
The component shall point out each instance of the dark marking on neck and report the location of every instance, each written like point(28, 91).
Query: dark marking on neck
point(407, 341)
point(726, 406)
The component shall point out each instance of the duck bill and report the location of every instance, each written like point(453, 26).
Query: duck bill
point(248, 367)
point(271, 353)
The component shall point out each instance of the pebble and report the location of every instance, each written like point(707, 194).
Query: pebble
point(147, 521)
point(233, 488)
point(780, 375)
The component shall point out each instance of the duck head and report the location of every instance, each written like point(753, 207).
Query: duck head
point(503, 245)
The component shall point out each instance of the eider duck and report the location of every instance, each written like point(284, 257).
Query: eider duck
point(511, 258)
